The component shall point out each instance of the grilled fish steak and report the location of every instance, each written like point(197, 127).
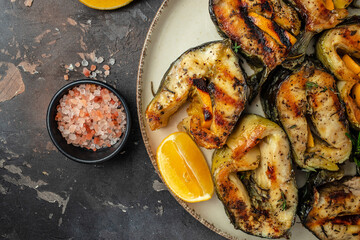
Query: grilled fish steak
point(254, 179)
point(211, 77)
point(330, 48)
point(234, 19)
point(265, 30)
point(332, 211)
point(305, 103)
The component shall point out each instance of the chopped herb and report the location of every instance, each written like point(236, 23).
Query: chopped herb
point(324, 89)
point(236, 47)
point(242, 176)
point(311, 85)
point(293, 126)
point(283, 200)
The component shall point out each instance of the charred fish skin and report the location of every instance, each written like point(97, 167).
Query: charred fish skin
point(305, 104)
point(254, 179)
point(270, 90)
point(331, 211)
point(265, 31)
point(210, 76)
point(332, 45)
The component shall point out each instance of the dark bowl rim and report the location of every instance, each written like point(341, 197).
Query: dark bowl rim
point(67, 87)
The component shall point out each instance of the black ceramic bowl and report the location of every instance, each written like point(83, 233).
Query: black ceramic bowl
point(79, 154)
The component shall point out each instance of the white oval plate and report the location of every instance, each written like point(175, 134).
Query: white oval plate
point(178, 26)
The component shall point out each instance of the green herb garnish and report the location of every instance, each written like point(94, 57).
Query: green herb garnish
point(283, 201)
point(311, 85)
point(236, 47)
point(293, 126)
point(324, 89)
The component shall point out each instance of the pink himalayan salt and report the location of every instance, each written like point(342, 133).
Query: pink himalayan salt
point(90, 116)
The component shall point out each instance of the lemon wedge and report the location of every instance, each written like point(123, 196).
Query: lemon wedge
point(184, 168)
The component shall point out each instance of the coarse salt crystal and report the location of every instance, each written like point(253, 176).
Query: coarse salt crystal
point(97, 93)
point(70, 67)
point(65, 111)
point(84, 63)
point(86, 72)
point(72, 128)
point(93, 75)
point(100, 60)
point(111, 61)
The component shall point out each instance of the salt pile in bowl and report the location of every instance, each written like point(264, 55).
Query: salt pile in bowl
point(91, 117)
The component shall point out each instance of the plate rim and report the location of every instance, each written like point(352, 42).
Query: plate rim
point(142, 124)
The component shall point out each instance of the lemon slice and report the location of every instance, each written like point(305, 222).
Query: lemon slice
point(105, 4)
point(184, 168)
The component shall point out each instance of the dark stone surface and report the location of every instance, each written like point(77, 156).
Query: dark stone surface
point(43, 195)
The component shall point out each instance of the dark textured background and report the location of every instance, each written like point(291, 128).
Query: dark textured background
point(43, 195)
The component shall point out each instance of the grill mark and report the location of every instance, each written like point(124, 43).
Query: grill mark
point(200, 83)
point(346, 220)
point(223, 97)
point(281, 33)
point(207, 115)
point(339, 196)
point(266, 7)
point(219, 120)
point(254, 29)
